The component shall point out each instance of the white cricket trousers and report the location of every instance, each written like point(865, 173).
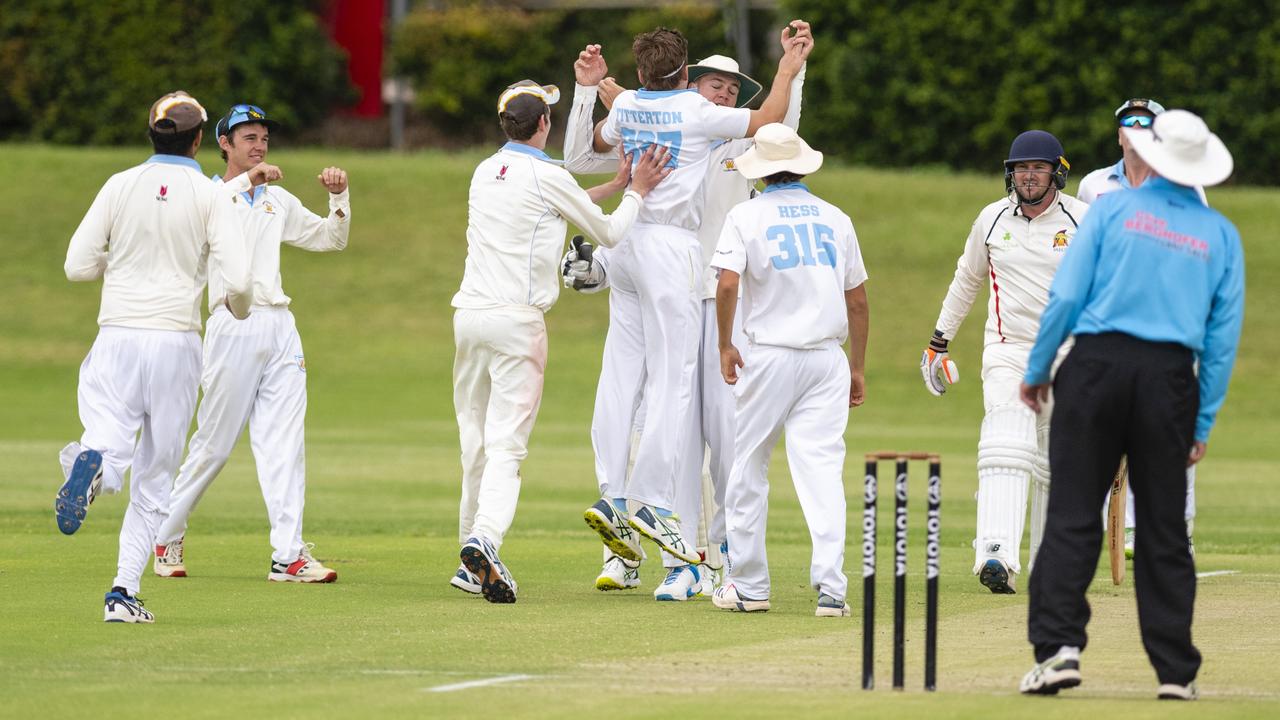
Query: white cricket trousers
point(497, 388)
point(710, 433)
point(650, 352)
point(805, 393)
point(137, 393)
point(254, 373)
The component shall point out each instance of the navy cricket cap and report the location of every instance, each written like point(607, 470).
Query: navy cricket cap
point(241, 114)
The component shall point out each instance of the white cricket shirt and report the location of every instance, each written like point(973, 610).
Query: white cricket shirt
point(150, 235)
point(687, 124)
point(797, 255)
point(518, 211)
point(1017, 259)
point(271, 215)
point(724, 186)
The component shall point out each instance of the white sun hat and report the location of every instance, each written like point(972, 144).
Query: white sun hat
point(778, 149)
point(1180, 147)
point(748, 88)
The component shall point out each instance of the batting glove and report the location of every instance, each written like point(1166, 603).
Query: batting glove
point(936, 366)
point(582, 275)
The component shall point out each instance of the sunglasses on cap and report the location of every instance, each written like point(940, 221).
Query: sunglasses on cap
point(243, 113)
point(1141, 121)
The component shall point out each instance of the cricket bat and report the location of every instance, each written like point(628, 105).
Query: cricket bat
point(1115, 522)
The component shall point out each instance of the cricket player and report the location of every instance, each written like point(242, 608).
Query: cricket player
point(1014, 248)
point(519, 207)
point(790, 250)
point(255, 372)
point(716, 78)
point(658, 271)
point(152, 234)
point(1155, 283)
point(1127, 173)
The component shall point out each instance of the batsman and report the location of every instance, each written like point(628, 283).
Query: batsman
point(1014, 247)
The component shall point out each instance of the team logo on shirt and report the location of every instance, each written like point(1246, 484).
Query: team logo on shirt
point(268, 209)
point(729, 165)
point(502, 174)
point(1060, 240)
point(302, 362)
point(164, 191)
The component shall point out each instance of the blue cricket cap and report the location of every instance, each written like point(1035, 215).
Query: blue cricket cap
point(241, 114)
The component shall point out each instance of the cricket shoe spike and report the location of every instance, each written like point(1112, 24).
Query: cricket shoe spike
point(168, 562)
point(481, 558)
point(831, 607)
point(614, 530)
point(1171, 691)
point(663, 530)
point(682, 583)
point(124, 608)
point(78, 492)
point(726, 598)
point(465, 581)
point(996, 578)
point(618, 574)
point(1059, 672)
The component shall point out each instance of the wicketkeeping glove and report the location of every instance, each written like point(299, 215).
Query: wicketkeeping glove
point(579, 270)
point(936, 366)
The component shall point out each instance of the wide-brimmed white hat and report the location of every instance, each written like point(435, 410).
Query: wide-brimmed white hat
point(1180, 147)
point(778, 149)
point(748, 88)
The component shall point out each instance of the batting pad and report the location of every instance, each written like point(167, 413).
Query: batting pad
point(1006, 461)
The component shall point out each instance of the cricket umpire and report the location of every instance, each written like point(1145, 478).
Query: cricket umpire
point(1153, 283)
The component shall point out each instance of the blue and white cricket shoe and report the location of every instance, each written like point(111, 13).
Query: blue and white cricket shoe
point(124, 608)
point(682, 582)
point(615, 532)
point(78, 492)
point(662, 527)
point(465, 581)
point(480, 557)
point(995, 576)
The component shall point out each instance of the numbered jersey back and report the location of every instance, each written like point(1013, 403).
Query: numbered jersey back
point(685, 123)
point(797, 254)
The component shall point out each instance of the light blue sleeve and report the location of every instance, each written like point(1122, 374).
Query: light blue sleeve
point(1068, 293)
point(1222, 335)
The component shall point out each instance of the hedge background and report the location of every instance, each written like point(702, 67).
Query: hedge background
point(892, 82)
point(912, 82)
point(87, 71)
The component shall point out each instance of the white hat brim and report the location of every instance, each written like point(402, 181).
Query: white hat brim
point(1212, 168)
point(753, 166)
point(748, 88)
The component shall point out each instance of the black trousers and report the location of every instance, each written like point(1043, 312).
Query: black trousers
point(1115, 395)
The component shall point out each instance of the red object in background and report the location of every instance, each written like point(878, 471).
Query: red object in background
point(357, 27)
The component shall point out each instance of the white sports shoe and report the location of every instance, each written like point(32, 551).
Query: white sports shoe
point(481, 558)
point(306, 569)
point(465, 581)
point(831, 607)
point(682, 582)
point(168, 562)
point(123, 608)
point(1169, 691)
point(618, 574)
point(663, 530)
point(726, 598)
point(1059, 672)
point(614, 530)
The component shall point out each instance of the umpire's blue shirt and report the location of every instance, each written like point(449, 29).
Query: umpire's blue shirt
point(1156, 264)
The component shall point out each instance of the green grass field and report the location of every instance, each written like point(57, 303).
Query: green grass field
point(383, 488)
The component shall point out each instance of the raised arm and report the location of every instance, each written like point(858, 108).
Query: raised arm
point(796, 48)
point(580, 155)
point(309, 231)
